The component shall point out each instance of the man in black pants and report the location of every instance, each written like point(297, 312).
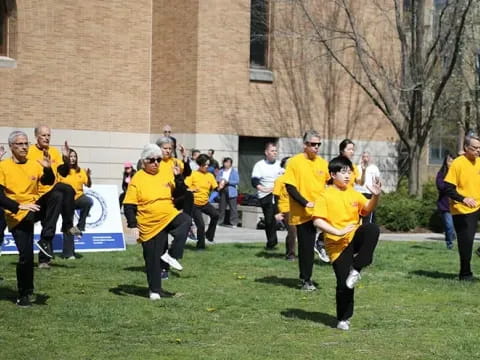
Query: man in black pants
point(264, 174)
point(305, 179)
point(463, 187)
point(56, 199)
point(19, 180)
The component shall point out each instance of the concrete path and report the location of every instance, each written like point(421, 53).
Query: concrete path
point(243, 235)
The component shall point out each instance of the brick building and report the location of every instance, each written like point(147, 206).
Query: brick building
point(107, 76)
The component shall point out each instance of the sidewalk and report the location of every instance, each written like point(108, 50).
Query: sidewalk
point(243, 235)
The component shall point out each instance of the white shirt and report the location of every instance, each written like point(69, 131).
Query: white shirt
point(266, 172)
point(226, 174)
point(371, 173)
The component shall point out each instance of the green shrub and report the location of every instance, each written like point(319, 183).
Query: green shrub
point(399, 211)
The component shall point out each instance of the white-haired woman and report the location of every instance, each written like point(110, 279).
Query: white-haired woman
point(149, 209)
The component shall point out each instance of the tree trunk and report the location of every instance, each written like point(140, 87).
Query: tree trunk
point(414, 187)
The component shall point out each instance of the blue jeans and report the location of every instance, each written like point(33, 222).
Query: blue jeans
point(448, 227)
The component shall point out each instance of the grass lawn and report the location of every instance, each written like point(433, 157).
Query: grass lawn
point(239, 302)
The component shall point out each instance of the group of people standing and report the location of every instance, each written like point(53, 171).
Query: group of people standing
point(38, 183)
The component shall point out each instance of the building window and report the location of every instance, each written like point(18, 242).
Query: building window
point(6, 9)
point(259, 33)
point(443, 139)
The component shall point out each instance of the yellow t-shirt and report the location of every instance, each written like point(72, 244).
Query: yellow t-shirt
point(201, 184)
point(339, 208)
point(166, 167)
point(153, 196)
point(280, 190)
point(309, 177)
point(355, 175)
point(465, 175)
point(21, 183)
point(76, 180)
point(34, 154)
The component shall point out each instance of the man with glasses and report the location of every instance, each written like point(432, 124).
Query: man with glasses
point(463, 188)
point(264, 174)
point(167, 132)
point(20, 178)
point(305, 179)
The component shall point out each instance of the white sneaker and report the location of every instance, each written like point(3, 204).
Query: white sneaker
point(322, 254)
point(171, 261)
point(154, 295)
point(343, 325)
point(352, 278)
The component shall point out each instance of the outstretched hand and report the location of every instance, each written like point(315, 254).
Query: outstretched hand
point(66, 149)
point(376, 187)
point(2, 151)
point(88, 171)
point(46, 162)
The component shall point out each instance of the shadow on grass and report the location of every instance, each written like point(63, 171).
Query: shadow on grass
point(8, 294)
point(270, 255)
point(41, 299)
point(126, 289)
point(434, 274)
point(317, 317)
point(135, 268)
point(423, 247)
point(275, 280)
point(245, 246)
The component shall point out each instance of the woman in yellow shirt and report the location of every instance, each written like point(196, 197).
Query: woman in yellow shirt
point(202, 183)
point(349, 245)
point(76, 177)
point(149, 209)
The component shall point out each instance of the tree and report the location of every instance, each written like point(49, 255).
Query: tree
point(403, 69)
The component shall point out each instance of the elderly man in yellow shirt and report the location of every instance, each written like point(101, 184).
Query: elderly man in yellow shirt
point(463, 188)
point(20, 179)
point(305, 179)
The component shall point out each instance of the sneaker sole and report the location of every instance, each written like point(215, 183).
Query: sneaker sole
point(40, 248)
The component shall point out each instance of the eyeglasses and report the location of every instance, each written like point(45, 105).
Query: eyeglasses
point(474, 148)
point(21, 144)
point(153, 160)
point(166, 131)
point(313, 144)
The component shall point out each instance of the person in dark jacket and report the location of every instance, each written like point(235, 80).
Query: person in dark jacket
point(443, 205)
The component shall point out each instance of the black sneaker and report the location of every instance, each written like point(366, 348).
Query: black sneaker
point(43, 247)
point(24, 301)
point(164, 274)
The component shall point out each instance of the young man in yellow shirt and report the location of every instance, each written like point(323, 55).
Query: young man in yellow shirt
point(20, 179)
point(463, 188)
point(305, 179)
point(202, 183)
point(350, 246)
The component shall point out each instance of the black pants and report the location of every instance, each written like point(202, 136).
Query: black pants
point(270, 223)
point(465, 226)
point(306, 233)
point(50, 209)
point(362, 246)
point(185, 203)
point(178, 228)
point(198, 219)
point(23, 236)
point(3, 226)
point(291, 238)
point(84, 204)
point(232, 206)
point(152, 250)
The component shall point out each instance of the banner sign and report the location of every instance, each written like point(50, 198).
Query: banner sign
point(103, 230)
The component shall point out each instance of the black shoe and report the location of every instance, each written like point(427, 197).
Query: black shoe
point(43, 247)
point(166, 294)
point(164, 274)
point(24, 301)
point(270, 247)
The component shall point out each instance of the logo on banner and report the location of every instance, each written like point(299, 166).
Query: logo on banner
point(98, 212)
